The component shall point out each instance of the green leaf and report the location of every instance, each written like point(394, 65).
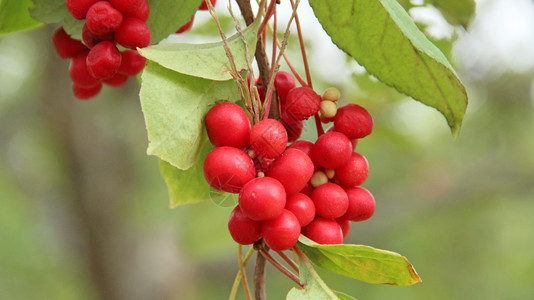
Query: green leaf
point(187, 186)
point(382, 37)
point(343, 296)
point(204, 60)
point(457, 12)
point(174, 106)
point(55, 11)
point(15, 16)
point(314, 286)
point(361, 262)
point(167, 16)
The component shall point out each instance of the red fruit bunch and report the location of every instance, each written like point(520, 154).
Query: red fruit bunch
point(309, 188)
point(98, 60)
point(187, 26)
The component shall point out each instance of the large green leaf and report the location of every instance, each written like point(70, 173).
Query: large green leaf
point(55, 11)
point(174, 106)
point(382, 37)
point(314, 286)
point(361, 262)
point(187, 186)
point(204, 60)
point(166, 16)
point(457, 12)
point(15, 16)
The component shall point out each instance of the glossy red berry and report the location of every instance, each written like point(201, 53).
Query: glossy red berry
point(228, 124)
point(90, 39)
point(302, 103)
point(268, 138)
point(133, 33)
point(132, 63)
point(78, 8)
point(204, 6)
point(142, 13)
point(127, 7)
point(85, 93)
point(353, 121)
point(345, 226)
point(242, 229)
point(332, 150)
point(104, 60)
point(103, 18)
point(284, 82)
point(282, 232)
point(66, 46)
point(330, 200)
point(116, 80)
point(306, 147)
point(293, 127)
point(302, 207)
point(228, 169)
point(293, 169)
point(78, 71)
point(324, 231)
point(186, 26)
point(262, 198)
point(361, 204)
point(354, 172)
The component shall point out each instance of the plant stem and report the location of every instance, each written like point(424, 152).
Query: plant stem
point(280, 267)
point(289, 261)
point(259, 274)
point(239, 274)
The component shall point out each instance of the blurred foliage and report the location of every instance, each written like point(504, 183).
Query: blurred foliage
point(460, 210)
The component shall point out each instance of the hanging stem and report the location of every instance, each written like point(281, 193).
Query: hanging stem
point(289, 261)
point(239, 274)
point(280, 267)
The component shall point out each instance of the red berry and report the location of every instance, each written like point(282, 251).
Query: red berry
point(116, 80)
point(204, 6)
point(324, 231)
point(78, 8)
point(353, 121)
point(293, 127)
point(186, 26)
point(228, 169)
point(128, 7)
point(262, 198)
point(141, 13)
point(302, 207)
point(354, 172)
point(302, 103)
point(66, 46)
point(284, 82)
point(78, 71)
point(307, 190)
point(90, 39)
point(345, 226)
point(102, 18)
point(133, 33)
point(228, 124)
point(332, 150)
point(104, 60)
point(268, 138)
point(306, 147)
point(85, 93)
point(132, 63)
point(361, 204)
point(330, 200)
point(354, 142)
point(293, 169)
point(282, 232)
point(242, 229)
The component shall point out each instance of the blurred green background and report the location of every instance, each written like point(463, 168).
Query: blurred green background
point(84, 212)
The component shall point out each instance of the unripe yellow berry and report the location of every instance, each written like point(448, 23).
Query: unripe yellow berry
point(330, 173)
point(331, 94)
point(328, 109)
point(318, 178)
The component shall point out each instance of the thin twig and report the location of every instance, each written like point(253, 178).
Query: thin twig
point(289, 261)
point(280, 267)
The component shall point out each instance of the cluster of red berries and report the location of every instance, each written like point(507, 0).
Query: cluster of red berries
point(187, 26)
point(308, 188)
point(98, 60)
